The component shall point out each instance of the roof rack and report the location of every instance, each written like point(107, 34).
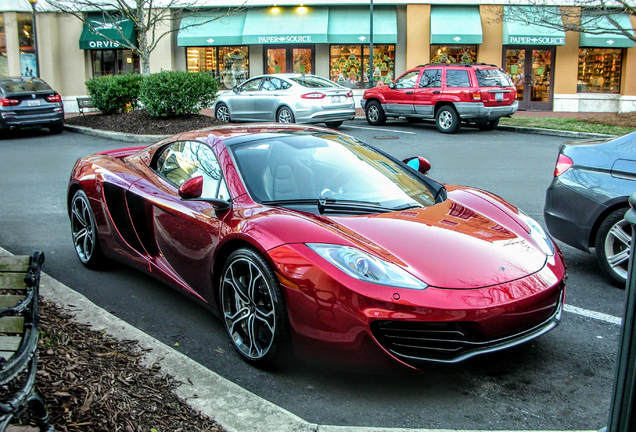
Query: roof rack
point(457, 64)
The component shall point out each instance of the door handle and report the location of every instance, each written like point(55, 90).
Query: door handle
point(409, 92)
point(436, 92)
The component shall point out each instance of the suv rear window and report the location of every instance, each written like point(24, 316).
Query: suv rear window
point(17, 85)
point(492, 78)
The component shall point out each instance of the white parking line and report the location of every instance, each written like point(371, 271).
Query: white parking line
point(591, 314)
point(377, 129)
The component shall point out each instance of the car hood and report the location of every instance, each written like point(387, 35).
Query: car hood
point(470, 240)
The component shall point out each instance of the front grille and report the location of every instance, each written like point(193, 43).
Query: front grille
point(417, 342)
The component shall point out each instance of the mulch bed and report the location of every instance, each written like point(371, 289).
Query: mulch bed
point(92, 382)
point(624, 120)
point(141, 123)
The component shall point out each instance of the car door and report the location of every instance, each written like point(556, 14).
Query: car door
point(399, 96)
point(428, 91)
point(267, 99)
point(186, 233)
point(242, 102)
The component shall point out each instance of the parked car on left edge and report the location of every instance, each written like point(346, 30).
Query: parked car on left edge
point(27, 102)
point(287, 98)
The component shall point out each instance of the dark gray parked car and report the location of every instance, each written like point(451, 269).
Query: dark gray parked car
point(586, 203)
point(30, 102)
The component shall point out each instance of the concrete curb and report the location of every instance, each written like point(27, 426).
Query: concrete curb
point(554, 132)
point(235, 408)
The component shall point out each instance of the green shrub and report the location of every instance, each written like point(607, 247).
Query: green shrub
point(171, 93)
point(113, 94)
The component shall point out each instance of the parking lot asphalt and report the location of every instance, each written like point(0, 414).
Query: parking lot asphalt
point(235, 408)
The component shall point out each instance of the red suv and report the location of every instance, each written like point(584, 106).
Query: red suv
point(450, 93)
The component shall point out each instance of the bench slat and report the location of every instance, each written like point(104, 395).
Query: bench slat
point(10, 343)
point(12, 324)
point(10, 300)
point(14, 264)
point(12, 281)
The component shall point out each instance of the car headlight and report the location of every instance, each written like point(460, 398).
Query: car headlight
point(365, 267)
point(538, 234)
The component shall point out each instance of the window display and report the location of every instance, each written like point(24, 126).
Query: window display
point(230, 65)
point(27, 44)
point(350, 64)
point(4, 63)
point(599, 70)
point(114, 62)
point(453, 54)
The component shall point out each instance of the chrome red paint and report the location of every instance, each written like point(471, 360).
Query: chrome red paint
point(481, 265)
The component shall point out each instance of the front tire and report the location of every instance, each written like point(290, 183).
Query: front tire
point(285, 115)
point(222, 113)
point(83, 229)
point(488, 126)
point(253, 308)
point(375, 114)
point(447, 119)
point(613, 244)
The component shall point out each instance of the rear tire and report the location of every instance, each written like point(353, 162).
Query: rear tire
point(613, 244)
point(56, 129)
point(488, 126)
point(333, 124)
point(447, 119)
point(375, 114)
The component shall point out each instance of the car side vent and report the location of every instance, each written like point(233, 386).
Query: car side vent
point(118, 210)
point(140, 220)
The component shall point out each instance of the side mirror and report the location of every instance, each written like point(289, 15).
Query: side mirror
point(193, 189)
point(235, 90)
point(419, 164)
point(392, 85)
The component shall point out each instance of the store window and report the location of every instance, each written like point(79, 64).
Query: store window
point(27, 44)
point(453, 53)
point(230, 65)
point(114, 62)
point(4, 64)
point(599, 70)
point(350, 64)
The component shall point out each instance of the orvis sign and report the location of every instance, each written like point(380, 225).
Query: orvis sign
point(105, 44)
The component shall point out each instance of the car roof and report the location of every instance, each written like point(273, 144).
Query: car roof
point(471, 65)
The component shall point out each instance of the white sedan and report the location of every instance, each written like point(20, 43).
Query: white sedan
point(287, 98)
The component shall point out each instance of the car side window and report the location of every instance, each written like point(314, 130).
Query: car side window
point(431, 78)
point(457, 78)
point(184, 160)
point(251, 85)
point(407, 80)
point(271, 84)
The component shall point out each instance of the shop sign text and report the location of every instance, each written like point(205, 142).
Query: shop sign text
point(543, 40)
point(284, 39)
point(103, 44)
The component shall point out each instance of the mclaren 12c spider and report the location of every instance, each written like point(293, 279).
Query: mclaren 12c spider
point(305, 240)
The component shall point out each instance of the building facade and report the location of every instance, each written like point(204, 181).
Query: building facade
point(553, 70)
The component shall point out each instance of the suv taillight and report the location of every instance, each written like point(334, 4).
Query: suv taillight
point(314, 95)
point(54, 98)
point(563, 164)
point(9, 102)
point(475, 95)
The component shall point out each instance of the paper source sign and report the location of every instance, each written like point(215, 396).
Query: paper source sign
point(284, 39)
point(542, 40)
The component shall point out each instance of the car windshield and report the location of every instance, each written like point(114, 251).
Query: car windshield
point(289, 168)
point(492, 78)
point(313, 82)
point(17, 85)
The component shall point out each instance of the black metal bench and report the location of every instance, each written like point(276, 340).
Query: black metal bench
point(19, 325)
point(84, 102)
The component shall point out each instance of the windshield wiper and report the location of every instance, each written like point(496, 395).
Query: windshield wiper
point(330, 205)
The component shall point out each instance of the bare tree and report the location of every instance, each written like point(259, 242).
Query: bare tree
point(152, 20)
point(586, 16)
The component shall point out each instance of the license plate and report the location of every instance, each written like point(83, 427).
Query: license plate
point(336, 99)
point(35, 102)
point(498, 97)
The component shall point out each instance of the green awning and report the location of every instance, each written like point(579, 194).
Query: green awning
point(606, 40)
point(106, 32)
point(516, 32)
point(212, 30)
point(286, 25)
point(457, 25)
point(350, 25)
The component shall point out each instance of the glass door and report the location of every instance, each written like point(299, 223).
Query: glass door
point(290, 59)
point(531, 71)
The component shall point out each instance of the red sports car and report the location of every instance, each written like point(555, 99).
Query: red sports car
point(305, 238)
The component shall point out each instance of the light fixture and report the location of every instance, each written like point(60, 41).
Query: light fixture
point(301, 9)
point(275, 9)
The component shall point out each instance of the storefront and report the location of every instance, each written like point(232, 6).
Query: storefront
point(105, 38)
point(459, 42)
point(328, 41)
